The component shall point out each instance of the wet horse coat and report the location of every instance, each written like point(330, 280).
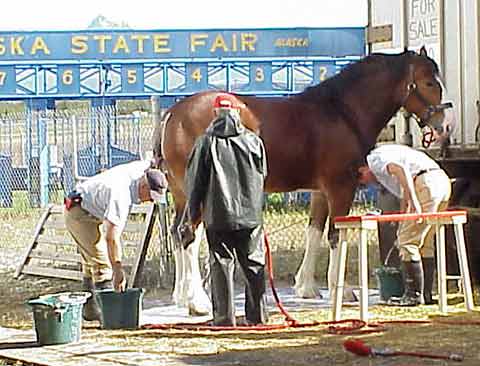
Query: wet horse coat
point(314, 140)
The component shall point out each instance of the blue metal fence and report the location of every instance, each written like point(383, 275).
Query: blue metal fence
point(37, 150)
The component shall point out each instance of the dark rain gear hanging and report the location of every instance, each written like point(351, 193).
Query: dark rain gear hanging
point(224, 182)
point(225, 176)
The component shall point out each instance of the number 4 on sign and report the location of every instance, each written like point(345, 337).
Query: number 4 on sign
point(197, 75)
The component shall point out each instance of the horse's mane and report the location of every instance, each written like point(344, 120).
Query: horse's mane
point(336, 85)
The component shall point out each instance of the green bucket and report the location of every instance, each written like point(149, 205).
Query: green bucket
point(390, 282)
point(58, 317)
point(120, 310)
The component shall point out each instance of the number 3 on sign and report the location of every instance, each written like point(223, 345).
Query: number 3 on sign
point(259, 75)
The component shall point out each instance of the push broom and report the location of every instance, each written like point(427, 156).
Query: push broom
point(359, 348)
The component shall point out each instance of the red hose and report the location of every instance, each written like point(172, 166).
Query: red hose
point(341, 327)
point(288, 318)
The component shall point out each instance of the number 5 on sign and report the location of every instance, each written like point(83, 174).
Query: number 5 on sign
point(7, 80)
point(132, 78)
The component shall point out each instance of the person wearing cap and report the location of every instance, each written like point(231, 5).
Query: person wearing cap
point(422, 186)
point(224, 185)
point(106, 200)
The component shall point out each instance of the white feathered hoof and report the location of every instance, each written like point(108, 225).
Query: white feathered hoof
point(199, 302)
point(307, 292)
point(349, 295)
point(198, 310)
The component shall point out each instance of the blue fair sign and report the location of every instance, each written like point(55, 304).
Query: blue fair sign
point(175, 44)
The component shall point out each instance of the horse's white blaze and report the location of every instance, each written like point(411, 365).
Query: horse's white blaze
point(305, 284)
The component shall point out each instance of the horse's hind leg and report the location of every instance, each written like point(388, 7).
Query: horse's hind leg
point(305, 284)
point(339, 205)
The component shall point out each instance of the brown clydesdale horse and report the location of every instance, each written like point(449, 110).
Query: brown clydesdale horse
point(314, 140)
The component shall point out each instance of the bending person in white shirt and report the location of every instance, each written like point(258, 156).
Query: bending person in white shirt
point(422, 186)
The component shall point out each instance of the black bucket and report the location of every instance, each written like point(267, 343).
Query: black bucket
point(390, 282)
point(120, 310)
point(389, 279)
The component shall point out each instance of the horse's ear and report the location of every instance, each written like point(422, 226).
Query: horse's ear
point(405, 49)
point(423, 51)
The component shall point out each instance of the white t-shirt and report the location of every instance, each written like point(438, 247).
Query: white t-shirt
point(411, 160)
point(111, 194)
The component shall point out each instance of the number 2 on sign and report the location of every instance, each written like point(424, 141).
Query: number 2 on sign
point(323, 73)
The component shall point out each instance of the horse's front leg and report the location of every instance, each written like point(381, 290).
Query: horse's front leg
point(340, 201)
point(188, 290)
point(198, 302)
point(305, 284)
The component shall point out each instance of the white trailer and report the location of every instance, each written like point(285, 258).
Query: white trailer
point(450, 30)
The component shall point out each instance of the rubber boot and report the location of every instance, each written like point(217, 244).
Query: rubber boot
point(256, 300)
point(90, 310)
point(413, 279)
point(428, 271)
point(223, 306)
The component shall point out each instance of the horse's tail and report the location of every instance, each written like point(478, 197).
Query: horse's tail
point(159, 156)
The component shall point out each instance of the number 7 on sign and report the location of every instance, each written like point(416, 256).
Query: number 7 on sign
point(7, 80)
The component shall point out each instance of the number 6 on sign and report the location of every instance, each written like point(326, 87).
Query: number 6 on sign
point(68, 79)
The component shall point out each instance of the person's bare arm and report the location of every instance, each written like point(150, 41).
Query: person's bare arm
point(410, 198)
point(112, 236)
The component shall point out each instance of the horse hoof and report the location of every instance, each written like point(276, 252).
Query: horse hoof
point(194, 310)
point(308, 293)
point(349, 295)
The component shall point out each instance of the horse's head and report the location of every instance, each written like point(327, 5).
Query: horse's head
point(423, 97)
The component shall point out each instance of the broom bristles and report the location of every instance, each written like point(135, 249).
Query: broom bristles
point(357, 347)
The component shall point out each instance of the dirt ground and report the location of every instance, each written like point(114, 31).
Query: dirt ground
point(458, 332)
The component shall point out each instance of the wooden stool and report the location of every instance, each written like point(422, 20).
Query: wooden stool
point(369, 222)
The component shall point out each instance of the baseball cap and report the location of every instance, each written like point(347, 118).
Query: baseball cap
point(225, 100)
point(157, 181)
